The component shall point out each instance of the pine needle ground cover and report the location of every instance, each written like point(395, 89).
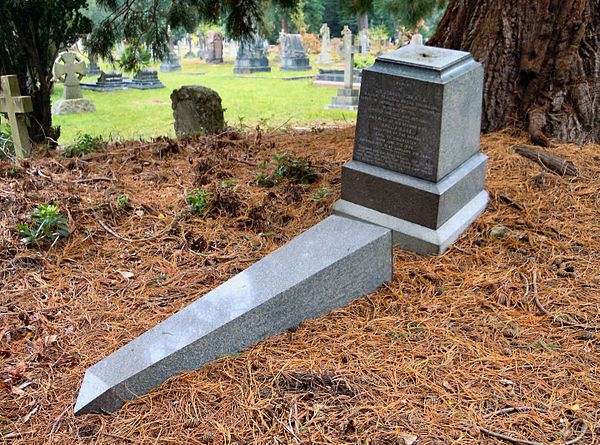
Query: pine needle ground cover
point(499, 336)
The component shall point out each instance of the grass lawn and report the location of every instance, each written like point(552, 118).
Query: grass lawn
point(262, 98)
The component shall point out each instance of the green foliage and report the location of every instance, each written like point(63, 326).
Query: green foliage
point(83, 144)
point(46, 223)
point(286, 166)
point(321, 194)
point(32, 32)
point(133, 58)
point(229, 183)
point(123, 202)
point(408, 13)
point(198, 201)
point(7, 149)
point(363, 60)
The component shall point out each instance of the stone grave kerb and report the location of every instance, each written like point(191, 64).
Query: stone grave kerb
point(15, 106)
point(69, 68)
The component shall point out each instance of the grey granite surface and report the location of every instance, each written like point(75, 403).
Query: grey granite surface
point(419, 115)
point(429, 204)
point(326, 267)
point(414, 237)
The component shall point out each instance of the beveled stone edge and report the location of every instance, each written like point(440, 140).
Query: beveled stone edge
point(413, 237)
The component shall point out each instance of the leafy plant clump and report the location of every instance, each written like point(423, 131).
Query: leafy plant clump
point(123, 202)
point(83, 144)
point(46, 223)
point(6, 143)
point(198, 201)
point(286, 166)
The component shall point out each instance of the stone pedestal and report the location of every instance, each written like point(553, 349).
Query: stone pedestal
point(293, 56)
point(72, 106)
point(108, 81)
point(416, 167)
point(146, 79)
point(171, 63)
point(251, 58)
point(346, 99)
point(93, 69)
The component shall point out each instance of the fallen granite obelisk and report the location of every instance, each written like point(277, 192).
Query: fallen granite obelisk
point(416, 179)
point(324, 268)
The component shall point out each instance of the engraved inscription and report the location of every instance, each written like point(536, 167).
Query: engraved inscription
point(398, 126)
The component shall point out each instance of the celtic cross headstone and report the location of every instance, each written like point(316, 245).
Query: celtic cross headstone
point(15, 106)
point(69, 69)
point(324, 55)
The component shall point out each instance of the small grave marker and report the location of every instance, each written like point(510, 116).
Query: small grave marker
point(293, 56)
point(251, 57)
point(323, 57)
point(347, 97)
point(15, 106)
point(69, 69)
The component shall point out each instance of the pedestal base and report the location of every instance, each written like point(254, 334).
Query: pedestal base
point(347, 99)
point(413, 237)
point(72, 106)
point(250, 66)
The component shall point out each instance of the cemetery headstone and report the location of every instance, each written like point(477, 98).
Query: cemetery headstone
point(347, 97)
point(107, 81)
point(93, 69)
point(232, 49)
point(420, 119)
point(214, 47)
point(201, 46)
point(146, 79)
point(416, 167)
point(292, 54)
point(190, 52)
point(16, 106)
point(416, 39)
point(197, 109)
point(69, 69)
point(251, 57)
point(323, 57)
point(364, 42)
point(170, 63)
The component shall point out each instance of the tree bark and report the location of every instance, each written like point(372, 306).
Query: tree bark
point(284, 25)
point(363, 21)
point(541, 60)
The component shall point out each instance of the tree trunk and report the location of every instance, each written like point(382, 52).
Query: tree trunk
point(541, 61)
point(363, 21)
point(284, 25)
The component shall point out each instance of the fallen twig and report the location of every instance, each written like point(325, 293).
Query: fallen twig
point(541, 307)
point(548, 160)
point(148, 238)
point(507, 437)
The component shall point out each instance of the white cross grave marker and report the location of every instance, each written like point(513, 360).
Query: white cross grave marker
point(69, 68)
point(348, 57)
point(15, 106)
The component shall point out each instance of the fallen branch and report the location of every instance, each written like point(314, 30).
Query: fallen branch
point(516, 409)
point(507, 437)
point(550, 161)
point(138, 240)
point(541, 307)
